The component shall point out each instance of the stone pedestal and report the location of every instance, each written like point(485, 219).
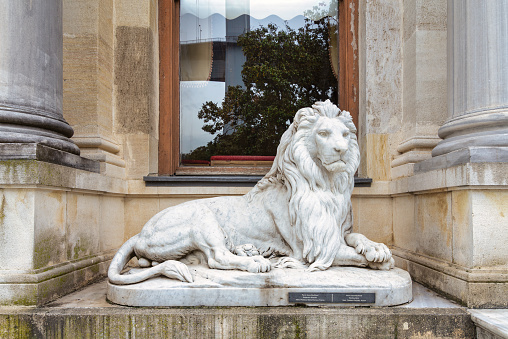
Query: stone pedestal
point(337, 286)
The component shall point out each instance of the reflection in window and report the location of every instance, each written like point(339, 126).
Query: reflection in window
point(247, 67)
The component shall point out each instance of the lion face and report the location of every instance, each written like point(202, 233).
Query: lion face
point(328, 142)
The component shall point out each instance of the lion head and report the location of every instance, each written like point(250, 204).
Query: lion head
point(316, 161)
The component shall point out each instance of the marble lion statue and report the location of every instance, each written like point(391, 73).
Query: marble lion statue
point(297, 216)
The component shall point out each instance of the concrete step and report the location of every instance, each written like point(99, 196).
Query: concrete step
point(87, 314)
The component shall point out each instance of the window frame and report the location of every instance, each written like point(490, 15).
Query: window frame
point(169, 83)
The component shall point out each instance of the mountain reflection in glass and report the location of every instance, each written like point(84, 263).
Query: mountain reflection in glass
point(246, 67)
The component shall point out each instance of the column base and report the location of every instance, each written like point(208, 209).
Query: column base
point(464, 156)
point(34, 151)
point(483, 129)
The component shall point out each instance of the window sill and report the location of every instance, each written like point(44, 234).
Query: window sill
point(218, 180)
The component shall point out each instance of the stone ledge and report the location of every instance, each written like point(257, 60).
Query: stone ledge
point(236, 322)
point(457, 271)
point(86, 313)
point(25, 173)
point(34, 151)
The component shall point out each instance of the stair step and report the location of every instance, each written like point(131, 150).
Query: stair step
point(86, 314)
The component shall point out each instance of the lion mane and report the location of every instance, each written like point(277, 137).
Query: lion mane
point(319, 204)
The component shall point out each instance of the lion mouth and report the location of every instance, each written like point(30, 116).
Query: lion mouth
point(334, 166)
point(338, 161)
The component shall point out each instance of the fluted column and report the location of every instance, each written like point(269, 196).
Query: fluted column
point(31, 74)
point(477, 76)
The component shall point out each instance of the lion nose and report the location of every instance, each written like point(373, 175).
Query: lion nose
point(340, 147)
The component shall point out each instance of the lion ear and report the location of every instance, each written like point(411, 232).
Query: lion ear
point(346, 117)
point(302, 113)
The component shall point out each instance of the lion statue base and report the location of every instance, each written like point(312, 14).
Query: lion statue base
point(229, 288)
point(298, 216)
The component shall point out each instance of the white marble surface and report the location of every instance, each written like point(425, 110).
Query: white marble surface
point(235, 288)
point(494, 321)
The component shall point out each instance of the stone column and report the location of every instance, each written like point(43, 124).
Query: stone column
point(477, 78)
point(31, 75)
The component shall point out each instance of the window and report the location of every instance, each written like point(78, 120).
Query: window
point(203, 51)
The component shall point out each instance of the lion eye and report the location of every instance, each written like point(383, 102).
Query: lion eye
point(323, 133)
point(345, 134)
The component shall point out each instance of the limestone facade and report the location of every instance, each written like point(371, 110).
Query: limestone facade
point(443, 210)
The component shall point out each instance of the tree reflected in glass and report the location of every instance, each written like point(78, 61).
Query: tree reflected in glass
point(285, 69)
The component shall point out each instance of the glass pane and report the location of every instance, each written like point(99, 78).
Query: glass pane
point(246, 67)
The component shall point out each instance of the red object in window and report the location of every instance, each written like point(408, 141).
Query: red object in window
point(243, 157)
point(196, 162)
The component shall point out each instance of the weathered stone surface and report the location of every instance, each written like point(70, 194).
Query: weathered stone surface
point(133, 72)
point(237, 322)
point(58, 226)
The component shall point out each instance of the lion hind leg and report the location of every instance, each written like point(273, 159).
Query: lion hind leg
point(222, 258)
point(217, 248)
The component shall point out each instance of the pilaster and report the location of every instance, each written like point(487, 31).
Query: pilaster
point(88, 72)
point(424, 83)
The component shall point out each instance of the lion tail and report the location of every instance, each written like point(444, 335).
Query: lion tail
point(121, 258)
point(170, 268)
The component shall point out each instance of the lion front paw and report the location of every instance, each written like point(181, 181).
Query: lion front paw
point(259, 265)
point(384, 266)
point(373, 251)
point(246, 250)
